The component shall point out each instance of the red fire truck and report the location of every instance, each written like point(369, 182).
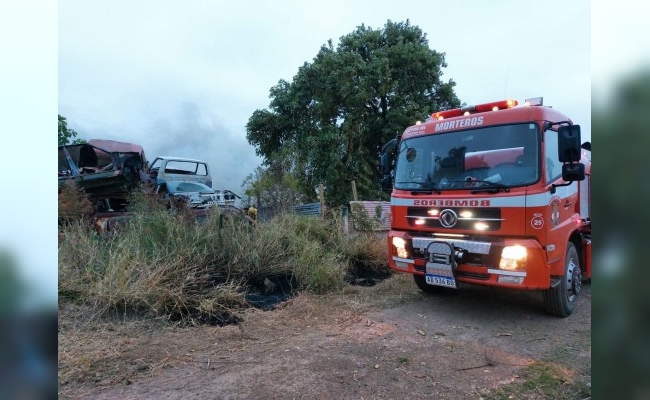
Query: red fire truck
point(494, 194)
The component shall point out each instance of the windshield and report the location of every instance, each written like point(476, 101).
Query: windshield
point(499, 156)
point(189, 187)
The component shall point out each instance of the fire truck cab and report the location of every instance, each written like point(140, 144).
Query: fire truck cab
point(494, 194)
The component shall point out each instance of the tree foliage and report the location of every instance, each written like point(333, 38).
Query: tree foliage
point(273, 186)
point(67, 135)
point(332, 120)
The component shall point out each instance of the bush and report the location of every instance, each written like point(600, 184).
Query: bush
point(74, 203)
point(364, 222)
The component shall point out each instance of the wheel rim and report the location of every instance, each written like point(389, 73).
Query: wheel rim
point(573, 279)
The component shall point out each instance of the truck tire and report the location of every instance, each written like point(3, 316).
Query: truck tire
point(425, 287)
point(561, 299)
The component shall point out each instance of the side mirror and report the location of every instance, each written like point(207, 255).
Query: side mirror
point(569, 143)
point(569, 153)
point(573, 172)
point(386, 161)
point(387, 183)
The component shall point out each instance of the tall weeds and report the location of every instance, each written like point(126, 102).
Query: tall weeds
point(168, 265)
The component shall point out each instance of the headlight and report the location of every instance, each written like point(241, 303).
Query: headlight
point(400, 247)
point(481, 226)
point(513, 258)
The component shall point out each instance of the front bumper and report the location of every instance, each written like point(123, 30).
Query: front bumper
point(476, 260)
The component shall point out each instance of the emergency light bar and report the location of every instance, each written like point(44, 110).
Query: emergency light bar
point(535, 101)
point(479, 108)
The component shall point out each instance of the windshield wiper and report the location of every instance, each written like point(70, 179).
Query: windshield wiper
point(424, 187)
point(490, 187)
point(426, 190)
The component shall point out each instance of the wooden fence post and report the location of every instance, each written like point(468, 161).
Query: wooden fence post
point(322, 198)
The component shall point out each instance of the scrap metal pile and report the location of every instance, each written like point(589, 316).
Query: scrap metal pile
point(108, 171)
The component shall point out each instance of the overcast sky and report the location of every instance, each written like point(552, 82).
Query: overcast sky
point(183, 78)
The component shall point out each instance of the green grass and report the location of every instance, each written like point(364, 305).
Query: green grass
point(542, 380)
point(402, 360)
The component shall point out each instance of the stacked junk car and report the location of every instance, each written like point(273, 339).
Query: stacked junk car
point(108, 171)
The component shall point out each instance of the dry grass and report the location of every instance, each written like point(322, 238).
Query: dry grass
point(73, 202)
point(123, 296)
point(97, 352)
point(163, 264)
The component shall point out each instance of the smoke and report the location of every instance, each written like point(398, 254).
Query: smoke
point(189, 131)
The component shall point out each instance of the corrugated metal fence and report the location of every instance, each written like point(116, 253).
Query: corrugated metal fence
point(361, 215)
point(311, 209)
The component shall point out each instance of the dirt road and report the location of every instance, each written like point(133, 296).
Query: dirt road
point(407, 346)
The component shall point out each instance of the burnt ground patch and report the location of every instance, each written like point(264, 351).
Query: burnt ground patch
point(367, 273)
point(270, 291)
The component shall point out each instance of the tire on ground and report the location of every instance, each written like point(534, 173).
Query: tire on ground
point(561, 299)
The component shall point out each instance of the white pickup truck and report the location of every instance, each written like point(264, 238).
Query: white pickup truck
point(166, 169)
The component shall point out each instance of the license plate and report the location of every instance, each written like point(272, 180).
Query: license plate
point(438, 280)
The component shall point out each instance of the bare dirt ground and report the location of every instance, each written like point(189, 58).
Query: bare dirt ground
point(389, 341)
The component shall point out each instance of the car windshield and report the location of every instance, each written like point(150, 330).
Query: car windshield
point(175, 187)
point(500, 156)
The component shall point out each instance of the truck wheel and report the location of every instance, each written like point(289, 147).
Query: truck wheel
point(561, 299)
point(425, 287)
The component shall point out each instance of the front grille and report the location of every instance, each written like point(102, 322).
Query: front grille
point(428, 217)
point(481, 253)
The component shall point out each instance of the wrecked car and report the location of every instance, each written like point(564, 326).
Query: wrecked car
point(106, 170)
point(167, 168)
point(225, 197)
point(194, 194)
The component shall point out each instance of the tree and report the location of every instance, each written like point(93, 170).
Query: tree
point(272, 186)
point(67, 135)
point(332, 120)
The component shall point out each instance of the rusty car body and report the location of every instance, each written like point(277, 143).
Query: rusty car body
point(106, 170)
